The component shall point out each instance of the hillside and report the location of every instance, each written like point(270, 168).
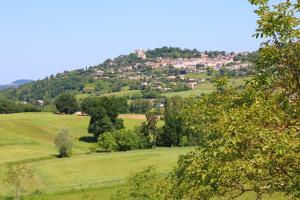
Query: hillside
point(153, 72)
point(31, 135)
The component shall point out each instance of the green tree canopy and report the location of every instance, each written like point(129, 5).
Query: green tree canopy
point(67, 103)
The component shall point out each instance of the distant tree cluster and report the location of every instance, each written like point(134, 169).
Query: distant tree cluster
point(119, 140)
point(104, 113)
point(140, 106)
point(214, 54)
point(248, 57)
point(172, 52)
point(8, 106)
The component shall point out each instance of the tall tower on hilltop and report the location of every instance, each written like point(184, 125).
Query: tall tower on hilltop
point(140, 53)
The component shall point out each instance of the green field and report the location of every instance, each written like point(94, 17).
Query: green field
point(29, 138)
point(206, 87)
point(31, 135)
point(122, 93)
point(197, 75)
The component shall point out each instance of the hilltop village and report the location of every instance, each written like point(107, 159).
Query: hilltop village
point(157, 72)
point(148, 73)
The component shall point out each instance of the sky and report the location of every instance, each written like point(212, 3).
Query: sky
point(40, 38)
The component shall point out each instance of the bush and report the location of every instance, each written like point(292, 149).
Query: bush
point(146, 185)
point(29, 108)
point(184, 141)
point(49, 108)
point(126, 140)
point(8, 106)
point(150, 94)
point(120, 140)
point(107, 142)
point(63, 143)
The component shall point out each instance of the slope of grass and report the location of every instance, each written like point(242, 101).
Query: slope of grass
point(103, 193)
point(122, 93)
point(104, 169)
point(31, 135)
point(96, 170)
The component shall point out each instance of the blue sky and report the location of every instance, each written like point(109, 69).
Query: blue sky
point(40, 38)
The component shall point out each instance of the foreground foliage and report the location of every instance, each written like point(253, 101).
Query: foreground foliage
point(248, 140)
point(18, 176)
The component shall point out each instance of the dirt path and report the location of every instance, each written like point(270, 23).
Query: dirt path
point(133, 116)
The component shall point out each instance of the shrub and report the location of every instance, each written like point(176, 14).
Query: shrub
point(145, 185)
point(184, 141)
point(107, 142)
point(63, 143)
point(119, 140)
point(19, 176)
point(8, 106)
point(126, 140)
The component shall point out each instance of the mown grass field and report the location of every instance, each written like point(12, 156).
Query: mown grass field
point(122, 93)
point(31, 135)
point(29, 138)
point(99, 170)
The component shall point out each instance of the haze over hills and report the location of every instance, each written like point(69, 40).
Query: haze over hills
point(15, 84)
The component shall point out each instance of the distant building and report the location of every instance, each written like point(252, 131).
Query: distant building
point(41, 102)
point(140, 53)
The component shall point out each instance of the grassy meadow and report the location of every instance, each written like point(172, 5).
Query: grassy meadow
point(31, 135)
point(206, 87)
point(29, 138)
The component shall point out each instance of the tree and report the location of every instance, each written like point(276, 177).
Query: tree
point(100, 122)
point(18, 176)
point(140, 106)
point(107, 142)
point(104, 113)
point(209, 71)
point(126, 140)
point(250, 138)
point(173, 127)
point(63, 142)
point(278, 60)
point(67, 103)
point(120, 140)
point(149, 130)
point(8, 106)
point(221, 83)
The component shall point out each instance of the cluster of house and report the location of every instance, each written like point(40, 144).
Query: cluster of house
point(192, 65)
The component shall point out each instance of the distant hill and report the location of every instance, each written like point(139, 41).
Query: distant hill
point(15, 84)
point(21, 82)
point(151, 71)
